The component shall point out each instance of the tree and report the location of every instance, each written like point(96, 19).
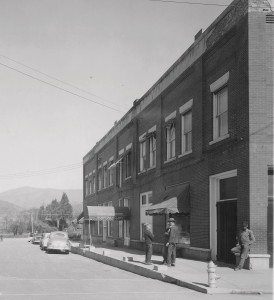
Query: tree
point(65, 210)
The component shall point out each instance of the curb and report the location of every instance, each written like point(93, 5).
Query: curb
point(142, 271)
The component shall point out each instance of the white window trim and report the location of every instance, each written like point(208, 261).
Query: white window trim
point(214, 191)
point(219, 83)
point(152, 129)
point(129, 146)
point(187, 106)
point(142, 137)
point(214, 87)
point(183, 109)
point(121, 151)
point(171, 116)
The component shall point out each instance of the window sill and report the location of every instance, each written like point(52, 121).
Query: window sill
point(185, 153)
point(169, 160)
point(219, 139)
point(128, 178)
point(142, 172)
point(151, 168)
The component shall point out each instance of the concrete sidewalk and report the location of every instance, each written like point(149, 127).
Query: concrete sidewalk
point(187, 273)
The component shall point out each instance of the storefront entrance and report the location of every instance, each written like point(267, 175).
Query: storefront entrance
point(226, 230)
point(223, 215)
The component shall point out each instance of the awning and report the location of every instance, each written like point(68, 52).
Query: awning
point(174, 200)
point(80, 217)
point(100, 213)
point(122, 213)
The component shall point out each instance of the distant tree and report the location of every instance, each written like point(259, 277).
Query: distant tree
point(42, 213)
point(65, 210)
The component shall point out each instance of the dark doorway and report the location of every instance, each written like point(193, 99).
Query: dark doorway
point(226, 230)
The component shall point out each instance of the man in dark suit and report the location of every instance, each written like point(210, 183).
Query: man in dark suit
point(148, 241)
point(171, 244)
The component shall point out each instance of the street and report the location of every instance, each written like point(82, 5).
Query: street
point(26, 272)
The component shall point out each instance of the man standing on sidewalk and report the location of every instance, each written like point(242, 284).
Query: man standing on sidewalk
point(148, 240)
point(171, 244)
point(245, 239)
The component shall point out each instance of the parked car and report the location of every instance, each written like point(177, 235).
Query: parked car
point(36, 239)
point(44, 241)
point(58, 241)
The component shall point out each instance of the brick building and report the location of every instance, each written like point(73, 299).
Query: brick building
point(198, 146)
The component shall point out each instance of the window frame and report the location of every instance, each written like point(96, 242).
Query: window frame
point(216, 88)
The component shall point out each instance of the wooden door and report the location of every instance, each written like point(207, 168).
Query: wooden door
point(226, 230)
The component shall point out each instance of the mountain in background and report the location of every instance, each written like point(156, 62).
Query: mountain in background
point(30, 197)
point(9, 209)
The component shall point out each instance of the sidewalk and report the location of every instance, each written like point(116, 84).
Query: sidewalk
point(187, 273)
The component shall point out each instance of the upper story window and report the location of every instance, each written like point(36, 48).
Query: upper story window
point(119, 168)
point(90, 184)
point(170, 136)
point(105, 175)
point(128, 163)
point(170, 141)
point(86, 186)
point(152, 147)
point(142, 153)
point(111, 169)
point(99, 178)
point(220, 108)
point(220, 113)
point(93, 182)
point(186, 127)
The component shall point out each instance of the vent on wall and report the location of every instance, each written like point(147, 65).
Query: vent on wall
point(269, 18)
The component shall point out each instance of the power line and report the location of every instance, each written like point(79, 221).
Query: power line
point(52, 77)
point(42, 172)
point(60, 88)
point(191, 3)
point(201, 3)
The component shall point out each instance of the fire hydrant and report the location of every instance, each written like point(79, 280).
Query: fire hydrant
point(212, 276)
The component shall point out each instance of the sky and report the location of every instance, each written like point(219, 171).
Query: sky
point(70, 68)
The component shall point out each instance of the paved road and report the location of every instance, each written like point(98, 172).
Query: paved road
point(28, 273)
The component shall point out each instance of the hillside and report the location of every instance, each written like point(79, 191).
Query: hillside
point(29, 197)
point(9, 209)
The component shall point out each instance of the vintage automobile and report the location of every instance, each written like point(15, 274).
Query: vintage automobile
point(44, 241)
point(36, 239)
point(58, 241)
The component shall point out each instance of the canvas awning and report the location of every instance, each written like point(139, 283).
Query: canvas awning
point(80, 217)
point(122, 213)
point(100, 213)
point(174, 200)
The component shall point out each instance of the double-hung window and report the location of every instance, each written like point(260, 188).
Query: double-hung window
point(93, 182)
point(170, 140)
point(119, 171)
point(128, 164)
point(220, 113)
point(152, 147)
point(219, 90)
point(105, 175)
point(186, 127)
point(99, 178)
point(111, 169)
point(142, 152)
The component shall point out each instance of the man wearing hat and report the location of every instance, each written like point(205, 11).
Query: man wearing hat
point(171, 244)
point(149, 236)
point(245, 239)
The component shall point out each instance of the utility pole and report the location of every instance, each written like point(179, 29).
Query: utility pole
point(31, 219)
